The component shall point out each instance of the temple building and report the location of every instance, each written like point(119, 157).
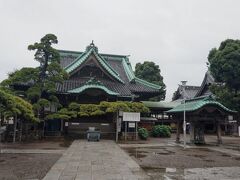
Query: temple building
point(95, 77)
point(204, 113)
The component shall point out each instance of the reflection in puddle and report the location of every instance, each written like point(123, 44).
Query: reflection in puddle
point(164, 173)
point(136, 153)
point(143, 152)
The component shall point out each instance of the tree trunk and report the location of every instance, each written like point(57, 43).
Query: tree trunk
point(20, 133)
point(14, 128)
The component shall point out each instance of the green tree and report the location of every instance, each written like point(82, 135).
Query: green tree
point(26, 75)
point(13, 106)
point(50, 71)
point(224, 64)
point(41, 80)
point(151, 72)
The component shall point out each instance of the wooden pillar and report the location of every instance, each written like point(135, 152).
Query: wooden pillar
point(219, 133)
point(192, 135)
point(178, 131)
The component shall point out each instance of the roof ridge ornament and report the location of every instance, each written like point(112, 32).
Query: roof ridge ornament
point(92, 46)
point(94, 81)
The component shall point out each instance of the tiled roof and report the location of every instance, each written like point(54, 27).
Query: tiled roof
point(93, 86)
point(204, 88)
point(117, 65)
point(190, 92)
point(198, 103)
point(84, 56)
point(93, 83)
point(127, 89)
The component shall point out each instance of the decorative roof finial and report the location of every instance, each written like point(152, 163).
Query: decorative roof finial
point(92, 45)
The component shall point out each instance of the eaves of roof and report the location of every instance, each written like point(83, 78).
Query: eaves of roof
point(92, 86)
point(197, 103)
point(151, 85)
point(128, 70)
point(161, 104)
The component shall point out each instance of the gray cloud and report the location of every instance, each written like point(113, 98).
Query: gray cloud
point(175, 34)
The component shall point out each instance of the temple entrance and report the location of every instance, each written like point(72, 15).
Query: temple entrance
point(78, 128)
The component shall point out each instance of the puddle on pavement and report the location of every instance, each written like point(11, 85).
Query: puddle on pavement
point(163, 173)
point(146, 151)
point(197, 155)
point(136, 153)
point(237, 158)
point(209, 160)
point(205, 150)
point(164, 153)
point(159, 172)
point(226, 155)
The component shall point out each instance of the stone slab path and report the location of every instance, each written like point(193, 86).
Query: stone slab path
point(103, 160)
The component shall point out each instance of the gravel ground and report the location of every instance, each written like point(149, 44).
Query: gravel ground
point(22, 166)
point(177, 157)
point(26, 166)
point(59, 143)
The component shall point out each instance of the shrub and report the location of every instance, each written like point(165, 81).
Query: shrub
point(143, 133)
point(161, 131)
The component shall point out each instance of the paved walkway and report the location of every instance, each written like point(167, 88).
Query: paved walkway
point(103, 160)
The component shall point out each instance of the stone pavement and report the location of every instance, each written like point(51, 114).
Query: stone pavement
point(103, 160)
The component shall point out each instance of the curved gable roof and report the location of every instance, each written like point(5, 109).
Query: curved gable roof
point(84, 56)
point(198, 103)
point(204, 88)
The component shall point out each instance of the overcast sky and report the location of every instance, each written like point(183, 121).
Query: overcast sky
point(175, 34)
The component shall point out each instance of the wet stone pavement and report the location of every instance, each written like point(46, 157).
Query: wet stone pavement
point(103, 160)
point(163, 161)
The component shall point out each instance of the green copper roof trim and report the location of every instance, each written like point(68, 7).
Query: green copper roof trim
point(131, 76)
point(197, 103)
point(128, 70)
point(71, 67)
point(71, 53)
point(161, 104)
point(154, 86)
point(77, 53)
point(108, 67)
point(92, 86)
point(105, 63)
point(77, 62)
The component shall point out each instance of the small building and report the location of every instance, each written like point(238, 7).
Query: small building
point(199, 112)
point(203, 113)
